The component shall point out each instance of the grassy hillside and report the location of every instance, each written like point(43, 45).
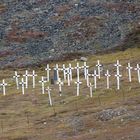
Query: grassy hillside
point(110, 114)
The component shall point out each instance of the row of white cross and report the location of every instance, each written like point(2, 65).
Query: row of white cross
point(67, 74)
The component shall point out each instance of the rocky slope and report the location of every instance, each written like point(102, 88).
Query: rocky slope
point(34, 31)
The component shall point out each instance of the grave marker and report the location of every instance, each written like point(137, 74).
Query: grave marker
point(48, 72)
point(3, 84)
point(49, 94)
point(107, 78)
point(138, 72)
point(22, 83)
point(99, 68)
point(129, 68)
point(43, 84)
point(16, 76)
point(78, 83)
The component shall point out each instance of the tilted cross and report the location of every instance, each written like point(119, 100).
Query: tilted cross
point(3, 84)
point(99, 70)
point(138, 72)
point(78, 83)
point(22, 83)
point(49, 94)
point(107, 78)
point(43, 84)
point(16, 76)
point(129, 68)
point(48, 72)
point(60, 83)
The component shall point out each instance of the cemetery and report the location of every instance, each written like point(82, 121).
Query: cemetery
point(73, 88)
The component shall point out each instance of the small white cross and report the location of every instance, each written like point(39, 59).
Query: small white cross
point(99, 70)
point(129, 68)
point(33, 75)
point(77, 69)
point(138, 72)
point(60, 83)
point(64, 71)
point(3, 84)
point(43, 84)
point(57, 70)
point(78, 83)
point(70, 70)
point(85, 67)
point(22, 83)
point(49, 94)
point(48, 72)
point(107, 78)
point(16, 76)
point(95, 75)
point(91, 90)
point(118, 80)
point(117, 65)
point(68, 76)
point(26, 75)
point(87, 77)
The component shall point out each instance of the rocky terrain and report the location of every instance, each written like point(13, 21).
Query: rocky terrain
point(37, 31)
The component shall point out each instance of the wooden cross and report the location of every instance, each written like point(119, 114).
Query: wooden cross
point(95, 75)
point(22, 83)
point(68, 76)
point(48, 72)
point(85, 67)
point(78, 83)
point(118, 65)
point(118, 80)
point(60, 83)
point(91, 90)
point(99, 70)
point(129, 68)
point(26, 75)
point(16, 76)
point(107, 78)
point(138, 72)
point(77, 69)
point(3, 84)
point(49, 94)
point(33, 75)
point(43, 84)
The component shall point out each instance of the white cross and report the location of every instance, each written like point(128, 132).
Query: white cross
point(57, 70)
point(138, 72)
point(33, 75)
point(77, 69)
point(16, 76)
point(91, 90)
point(26, 78)
point(107, 78)
point(60, 83)
point(22, 83)
point(78, 83)
point(117, 65)
point(95, 75)
point(70, 70)
point(3, 84)
point(49, 94)
point(99, 70)
point(129, 68)
point(64, 71)
point(118, 80)
point(43, 84)
point(48, 72)
point(68, 76)
point(85, 67)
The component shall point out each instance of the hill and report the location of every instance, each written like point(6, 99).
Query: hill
point(35, 32)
